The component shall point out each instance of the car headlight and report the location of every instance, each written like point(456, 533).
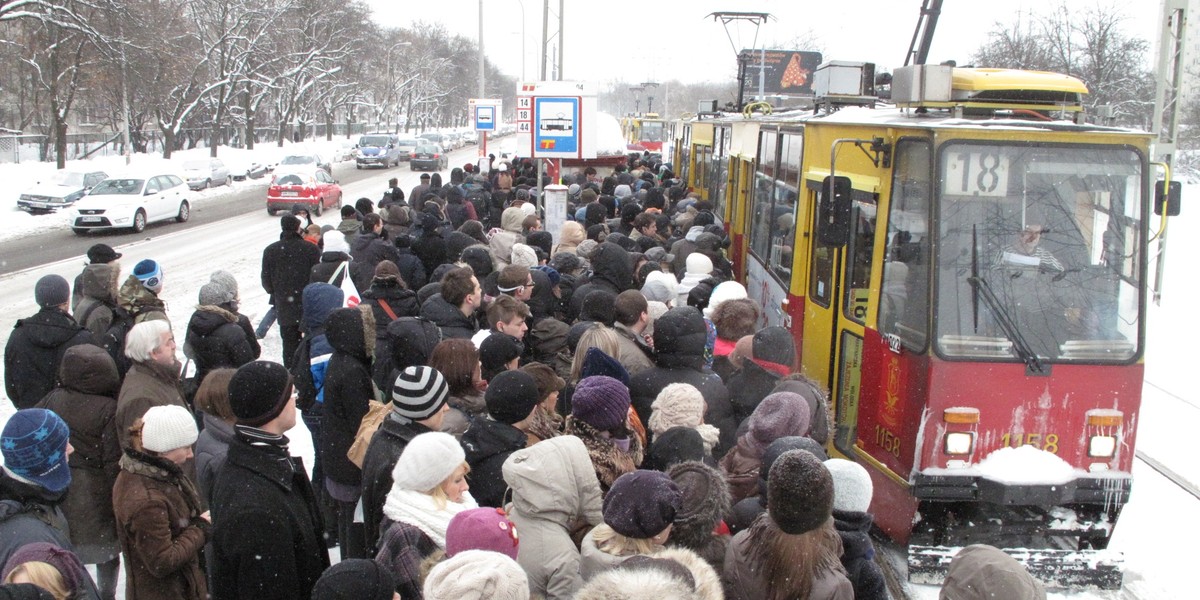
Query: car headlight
point(958, 443)
point(27, 197)
point(1102, 446)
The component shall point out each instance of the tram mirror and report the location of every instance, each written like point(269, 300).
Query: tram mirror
point(1170, 194)
point(833, 228)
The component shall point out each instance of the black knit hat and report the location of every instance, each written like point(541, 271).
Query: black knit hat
point(259, 391)
point(641, 504)
point(496, 351)
point(101, 254)
point(355, 579)
point(511, 396)
point(774, 345)
point(799, 492)
point(675, 445)
point(781, 445)
point(288, 223)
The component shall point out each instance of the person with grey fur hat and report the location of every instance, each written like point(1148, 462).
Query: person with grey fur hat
point(792, 551)
point(704, 504)
point(743, 514)
point(216, 336)
point(35, 348)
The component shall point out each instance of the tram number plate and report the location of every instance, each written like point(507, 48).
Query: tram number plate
point(887, 440)
point(976, 174)
point(1045, 441)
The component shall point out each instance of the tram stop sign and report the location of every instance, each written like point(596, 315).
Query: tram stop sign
point(556, 119)
point(484, 113)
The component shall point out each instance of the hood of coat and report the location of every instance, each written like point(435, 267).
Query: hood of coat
point(209, 318)
point(855, 529)
point(89, 369)
point(680, 337)
point(100, 281)
point(319, 301)
point(611, 263)
point(554, 480)
point(413, 340)
point(542, 302)
point(511, 218)
point(548, 336)
point(486, 438)
point(49, 328)
point(352, 331)
point(395, 214)
point(572, 234)
point(134, 297)
point(334, 256)
point(500, 244)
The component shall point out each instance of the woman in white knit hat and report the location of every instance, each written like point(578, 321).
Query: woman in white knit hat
point(160, 523)
point(682, 405)
point(429, 487)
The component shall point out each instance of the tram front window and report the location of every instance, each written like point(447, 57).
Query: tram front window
point(652, 131)
point(1039, 252)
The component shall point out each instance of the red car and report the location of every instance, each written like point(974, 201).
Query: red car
point(315, 189)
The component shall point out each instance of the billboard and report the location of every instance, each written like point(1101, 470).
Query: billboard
point(786, 72)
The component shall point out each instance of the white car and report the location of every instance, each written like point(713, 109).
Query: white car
point(205, 173)
point(345, 150)
point(132, 202)
point(63, 189)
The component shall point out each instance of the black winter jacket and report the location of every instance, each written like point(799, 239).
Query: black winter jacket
point(858, 555)
point(34, 352)
point(370, 249)
point(412, 271)
point(488, 444)
point(403, 303)
point(30, 514)
point(611, 271)
point(267, 530)
point(430, 248)
point(448, 318)
point(348, 390)
point(384, 450)
point(286, 266)
point(322, 272)
point(218, 340)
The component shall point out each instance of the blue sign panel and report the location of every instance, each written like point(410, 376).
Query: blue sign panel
point(556, 127)
point(485, 118)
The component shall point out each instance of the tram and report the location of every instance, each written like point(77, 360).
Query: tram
point(647, 132)
point(965, 271)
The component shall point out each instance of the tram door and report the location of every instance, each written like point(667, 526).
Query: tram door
point(841, 255)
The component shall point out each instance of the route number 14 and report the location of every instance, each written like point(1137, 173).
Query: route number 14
point(976, 174)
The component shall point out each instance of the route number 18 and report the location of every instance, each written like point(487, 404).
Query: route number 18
point(976, 174)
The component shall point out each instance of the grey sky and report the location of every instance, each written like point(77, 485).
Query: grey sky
point(658, 40)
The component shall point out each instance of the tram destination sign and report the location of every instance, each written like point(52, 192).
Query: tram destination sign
point(785, 72)
point(556, 119)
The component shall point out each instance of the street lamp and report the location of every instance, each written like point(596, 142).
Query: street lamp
point(637, 98)
point(649, 87)
point(390, 75)
point(523, 57)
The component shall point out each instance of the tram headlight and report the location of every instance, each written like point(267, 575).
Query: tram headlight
point(958, 443)
point(1102, 446)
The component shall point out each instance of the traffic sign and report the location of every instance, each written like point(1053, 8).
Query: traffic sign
point(556, 119)
point(485, 112)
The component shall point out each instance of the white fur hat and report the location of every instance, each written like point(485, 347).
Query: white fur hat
point(476, 575)
point(427, 461)
point(166, 428)
point(852, 487)
point(699, 264)
point(726, 290)
point(677, 405)
point(335, 241)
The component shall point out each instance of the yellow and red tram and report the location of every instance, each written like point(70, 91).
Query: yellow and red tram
point(965, 271)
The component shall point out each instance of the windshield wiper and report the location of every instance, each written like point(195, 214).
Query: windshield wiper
point(980, 287)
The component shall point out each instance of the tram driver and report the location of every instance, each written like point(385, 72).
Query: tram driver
point(1025, 251)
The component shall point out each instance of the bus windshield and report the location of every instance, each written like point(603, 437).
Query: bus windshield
point(1039, 252)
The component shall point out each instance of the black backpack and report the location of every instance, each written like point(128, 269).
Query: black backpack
point(113, 338)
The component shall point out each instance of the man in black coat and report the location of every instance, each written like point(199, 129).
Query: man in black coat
point(36, 346)
point(418, 406)
point(267, 529)
point(511, 397)
point(612, 271)
point(330, 270)
point(369, 247)
point(679, 338)
point(453, 310)
point(286, 266)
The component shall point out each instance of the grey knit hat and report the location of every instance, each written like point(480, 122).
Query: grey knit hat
point(799, 492)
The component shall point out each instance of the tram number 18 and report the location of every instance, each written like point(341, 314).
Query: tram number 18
point(976, 174)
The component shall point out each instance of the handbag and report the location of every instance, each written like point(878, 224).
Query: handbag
point(376, 413)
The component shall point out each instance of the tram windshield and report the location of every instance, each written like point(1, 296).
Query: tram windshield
point(652, 131)
point(1039, 252)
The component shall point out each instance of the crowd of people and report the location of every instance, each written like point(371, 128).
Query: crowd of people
point(507, 414)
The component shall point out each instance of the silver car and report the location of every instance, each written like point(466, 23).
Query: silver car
point(204, 173)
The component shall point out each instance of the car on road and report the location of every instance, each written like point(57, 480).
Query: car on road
point(293, 163)
point(131, 202)
point(241, 170)
point(444, 140)
point(345, 150)
point(429, 157)
point(204, 173)
point(314, 188)
point(63, 189)
point(407, 146)
point(377, 150)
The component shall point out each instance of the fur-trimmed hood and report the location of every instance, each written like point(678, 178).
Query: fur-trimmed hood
point(647, 580)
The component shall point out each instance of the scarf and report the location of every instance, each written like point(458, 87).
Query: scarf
point(421, 511)
point(161, 469)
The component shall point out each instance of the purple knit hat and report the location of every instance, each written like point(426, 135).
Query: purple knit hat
point(482, 529)
point(64, 561)
point(602, 402)
point(779, 415)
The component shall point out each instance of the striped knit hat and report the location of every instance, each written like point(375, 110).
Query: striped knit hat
point(419, 393)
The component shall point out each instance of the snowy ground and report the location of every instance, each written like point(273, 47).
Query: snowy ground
point(1155, 531)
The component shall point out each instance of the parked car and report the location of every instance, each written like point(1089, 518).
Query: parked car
point(204, 173)
point(314, 188)
point(132, 202)
point(429, 157)
point(247, 169)
point(377, 150)
point(63, 189)
point(293, 163)
point(441, 139)
point(407, 146)
point(345, 150)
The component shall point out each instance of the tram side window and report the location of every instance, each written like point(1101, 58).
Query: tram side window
point(719, 173)
point(764, 192)
point(861, 249)
point(783, 213)
point(904, 301)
